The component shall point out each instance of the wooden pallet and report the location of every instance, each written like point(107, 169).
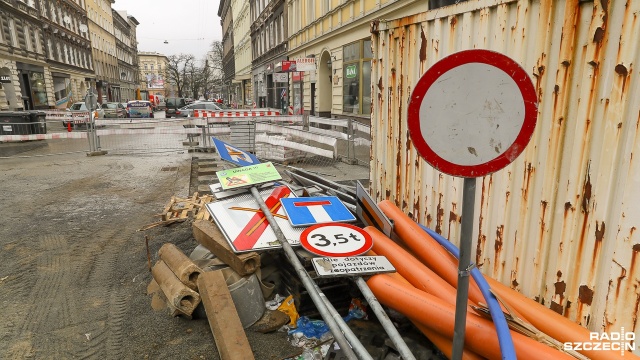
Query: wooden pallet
point(180, 209)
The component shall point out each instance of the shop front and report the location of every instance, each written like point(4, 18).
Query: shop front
point(356, 69)
point(62, 90)
point(32, 86)
point(297, 95)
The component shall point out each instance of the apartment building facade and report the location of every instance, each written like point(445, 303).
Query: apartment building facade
point(269, 50)
point(152, 69)
point(242, 51)
point(25, 80)
point(124, 26)
point(103, 43)
point(230, 90)
point(68, 48)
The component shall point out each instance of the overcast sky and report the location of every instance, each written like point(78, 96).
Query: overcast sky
point(188, 25)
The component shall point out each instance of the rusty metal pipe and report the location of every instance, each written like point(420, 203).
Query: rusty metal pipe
point(178, 294)
point(180, 265)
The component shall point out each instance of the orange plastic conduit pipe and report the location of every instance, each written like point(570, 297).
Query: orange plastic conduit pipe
point(439, 316)
point(427, 249)
point(441, 342)
point(552, 323)
point(411, 268)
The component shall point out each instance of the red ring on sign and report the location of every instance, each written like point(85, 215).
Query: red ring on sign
point(366, 246)
point(500, 61)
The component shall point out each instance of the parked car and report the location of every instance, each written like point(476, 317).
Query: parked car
point(187, 111)
point(140, 109)
point(114, 110)
point(173, 105)
point(80, 107)
point(162, 106)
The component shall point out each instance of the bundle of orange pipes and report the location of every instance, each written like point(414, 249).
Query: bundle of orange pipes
point(424, 290)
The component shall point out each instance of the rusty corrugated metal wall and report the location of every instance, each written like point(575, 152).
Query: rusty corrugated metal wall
point(560, 224)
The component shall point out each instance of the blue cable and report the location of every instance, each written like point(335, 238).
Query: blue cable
point(504, 334)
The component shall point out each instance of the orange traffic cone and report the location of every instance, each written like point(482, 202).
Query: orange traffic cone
point(69, 127)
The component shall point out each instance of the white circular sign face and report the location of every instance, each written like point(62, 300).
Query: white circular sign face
point(336, 239)
point(480, 124)
point(472, 113)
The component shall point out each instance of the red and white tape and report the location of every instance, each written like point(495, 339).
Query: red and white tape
point(66, 135)
point(208, 113)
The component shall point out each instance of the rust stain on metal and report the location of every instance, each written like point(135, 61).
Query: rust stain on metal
point(374, 26)
point(380, 86)
point(621, 70)
point(479, 247)
point(599, 232)
point(439, 215)
point(453, 217)
point(453, 22)
point(623, 274)
point(497, 246)
point(559, 275)
point(560, 288)
point(527, 180)
point(429, 219)
point(598, 35)
point(586, 193)
point(543, 225)
point(423, 46)
point(556, 307)
point(585, 295)
point(566, 309)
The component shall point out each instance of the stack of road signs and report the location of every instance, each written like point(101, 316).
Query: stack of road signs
point(316, 210)
point(352, 266)
point(248, 176)
point(233, 154)
point(246, 228)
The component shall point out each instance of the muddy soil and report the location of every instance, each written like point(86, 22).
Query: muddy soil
point(73, 267)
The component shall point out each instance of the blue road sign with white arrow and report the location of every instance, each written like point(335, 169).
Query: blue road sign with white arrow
point(234, 155)
point(315, 210)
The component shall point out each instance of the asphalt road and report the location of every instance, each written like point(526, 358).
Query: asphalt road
point(73, 267)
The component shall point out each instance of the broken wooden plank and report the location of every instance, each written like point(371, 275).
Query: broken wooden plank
point(208, 234)
point(228, 334)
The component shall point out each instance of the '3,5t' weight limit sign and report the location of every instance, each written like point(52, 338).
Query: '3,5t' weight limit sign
point(336, 240)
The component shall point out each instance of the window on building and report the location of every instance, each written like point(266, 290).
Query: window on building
point(356, 70)
point(27, 37)
point(311, 11)
point(434, 4)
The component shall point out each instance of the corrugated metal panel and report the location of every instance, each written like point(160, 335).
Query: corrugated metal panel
point(561, 223)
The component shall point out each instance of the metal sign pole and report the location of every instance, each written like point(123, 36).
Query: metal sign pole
point(332, 318)
point(386, 323)
point(464, 266)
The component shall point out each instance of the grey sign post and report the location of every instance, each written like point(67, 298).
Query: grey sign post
point(471, 114)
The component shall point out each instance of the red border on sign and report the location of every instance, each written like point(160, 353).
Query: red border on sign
point(502, 62)
point(367, 245)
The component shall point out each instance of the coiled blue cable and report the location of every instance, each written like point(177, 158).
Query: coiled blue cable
point(504, 334)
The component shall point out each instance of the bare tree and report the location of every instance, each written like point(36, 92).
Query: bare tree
point(179, 69)
point(213, 64)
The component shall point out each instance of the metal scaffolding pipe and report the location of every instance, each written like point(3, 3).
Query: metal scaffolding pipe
point(330, 318)
point(386, 323)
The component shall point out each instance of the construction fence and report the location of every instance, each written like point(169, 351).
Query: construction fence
point(281, 139)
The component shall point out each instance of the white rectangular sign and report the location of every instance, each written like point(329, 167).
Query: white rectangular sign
point(305, 64)
point(352, 266)
point(280, 77)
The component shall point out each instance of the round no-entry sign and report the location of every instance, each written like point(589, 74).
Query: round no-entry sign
point(336, 239)
point(472, 113)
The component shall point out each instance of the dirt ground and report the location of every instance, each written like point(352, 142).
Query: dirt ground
point(73, 268)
